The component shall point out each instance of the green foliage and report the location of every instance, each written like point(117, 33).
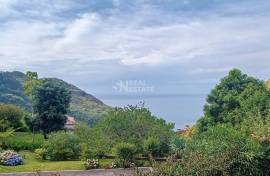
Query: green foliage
point(152, 146)
point(32, 122)
point(177, 144)
point(31, 81)
point(236, 97)
point(222, 150)
point(41, 153)
point(259, 129)
point(24, 141)
point(62, 146)
point(12, 115)
point(125, 153)
point(234, 133)
point(4, 136)
point(85, 107)
point(93, 142)
point(134, 124)
point(50, 102)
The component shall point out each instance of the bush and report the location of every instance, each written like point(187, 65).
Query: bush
point(93, 143)
point(125, 153)
point(152, 146)
point(41, 153)
point(10, 158)
point(222, 150)
point(91, 164)
point(89, 151)
point(177, 144)
point(86, 152)
point(13, 116)
point(219, 151)
point(62, 146)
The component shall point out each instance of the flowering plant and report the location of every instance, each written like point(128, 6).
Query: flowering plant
point(10, 158)
point(113, 165)
point(91, 164)
point(120, 163)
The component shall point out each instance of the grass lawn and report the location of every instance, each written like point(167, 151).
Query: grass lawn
point(32, 164)
point(24, 141)
point(27, 137)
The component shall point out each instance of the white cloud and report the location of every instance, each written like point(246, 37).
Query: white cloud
point(137, 38)
point(77, 30)
point(6, 7)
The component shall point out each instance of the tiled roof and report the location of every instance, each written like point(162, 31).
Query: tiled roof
point(70, 120)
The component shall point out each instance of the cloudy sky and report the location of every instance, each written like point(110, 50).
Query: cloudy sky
point(175, 46)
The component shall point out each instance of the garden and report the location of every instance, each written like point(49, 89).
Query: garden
point(38, 140)
point(231, 138)
point(85, 147)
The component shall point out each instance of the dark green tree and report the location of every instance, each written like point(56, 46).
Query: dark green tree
point(50, 103)
point(235, 98)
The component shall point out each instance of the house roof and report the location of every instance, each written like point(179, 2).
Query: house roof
point(70, 120)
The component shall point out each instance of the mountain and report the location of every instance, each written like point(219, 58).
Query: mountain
point(84, 107)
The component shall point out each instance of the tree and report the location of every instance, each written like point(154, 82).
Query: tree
point(236, 97)
point(12, 116)
point(30, 83)
point(134, 124)
point(50, 102)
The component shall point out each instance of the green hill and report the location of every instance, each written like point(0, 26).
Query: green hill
point(84, 107)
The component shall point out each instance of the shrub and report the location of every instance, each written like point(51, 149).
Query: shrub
point(62, 146)
point(10, 158)
point(222, 150)
point(41, 153)
point(89, 151)
point(219, 151)
point(121, 163)
point(86, 152)
point(13, 115)
point(91, 164)
point(152, 146)
point(177, 144)
point(93, 143)
point(125, 153)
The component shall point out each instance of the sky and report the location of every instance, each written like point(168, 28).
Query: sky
point(168, 47)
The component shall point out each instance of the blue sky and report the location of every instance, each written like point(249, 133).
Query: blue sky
point(176, 46)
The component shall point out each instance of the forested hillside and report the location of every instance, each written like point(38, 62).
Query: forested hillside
point(84, 107)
